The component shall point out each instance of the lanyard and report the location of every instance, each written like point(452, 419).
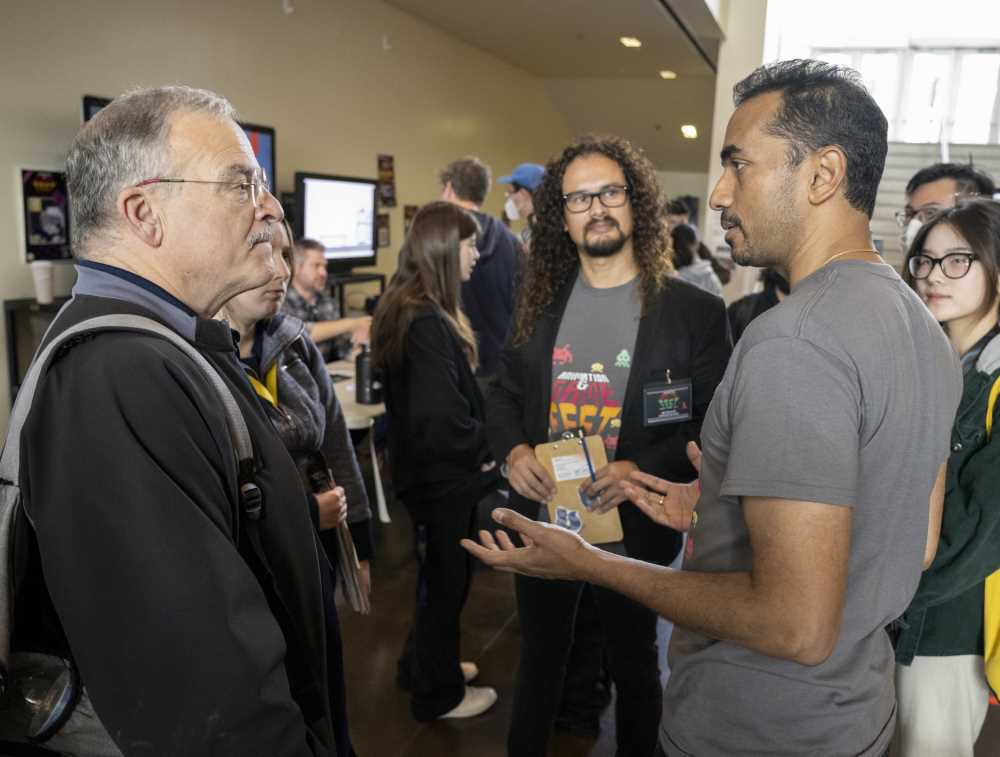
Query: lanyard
point(268, 392)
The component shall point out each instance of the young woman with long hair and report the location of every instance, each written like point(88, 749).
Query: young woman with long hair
point(440, 459)
point(954, 265)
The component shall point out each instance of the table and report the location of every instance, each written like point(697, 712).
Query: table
point(359, 418)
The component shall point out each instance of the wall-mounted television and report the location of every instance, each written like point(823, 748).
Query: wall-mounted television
point(339, 213)
point(261, 137)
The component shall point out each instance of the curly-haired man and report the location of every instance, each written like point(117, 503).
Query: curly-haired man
point(600, 324)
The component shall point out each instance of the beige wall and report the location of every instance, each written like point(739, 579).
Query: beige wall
point(340, 80)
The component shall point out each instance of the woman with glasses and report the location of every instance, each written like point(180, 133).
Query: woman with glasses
point(954, 265)
point(441, 462)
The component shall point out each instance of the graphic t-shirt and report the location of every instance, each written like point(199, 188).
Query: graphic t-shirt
point(592, 359)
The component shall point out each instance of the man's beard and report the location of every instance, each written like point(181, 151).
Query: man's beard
point(606, 246)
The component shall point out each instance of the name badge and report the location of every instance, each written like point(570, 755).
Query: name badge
point(667, 402)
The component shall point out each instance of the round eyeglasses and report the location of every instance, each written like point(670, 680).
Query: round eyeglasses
point(611, 196)
point(954, 265)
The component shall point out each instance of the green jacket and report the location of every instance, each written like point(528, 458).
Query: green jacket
point(946, 615)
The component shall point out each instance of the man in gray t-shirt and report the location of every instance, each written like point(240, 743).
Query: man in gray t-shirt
point(840, 396)
point(822, 477)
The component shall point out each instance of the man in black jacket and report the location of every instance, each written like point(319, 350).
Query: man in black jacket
point(600, 324)
point(488, 297)
point(185, 642)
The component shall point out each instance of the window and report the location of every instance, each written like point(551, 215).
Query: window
point(975, 99)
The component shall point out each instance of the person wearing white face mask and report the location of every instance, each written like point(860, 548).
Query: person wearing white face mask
point(488, 296)
point(937, 187)
point(521, 184)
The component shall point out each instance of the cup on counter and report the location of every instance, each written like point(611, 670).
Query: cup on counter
point(42, 273)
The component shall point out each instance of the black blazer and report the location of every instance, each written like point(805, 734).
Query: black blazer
point(684, 330)
point(437, 425)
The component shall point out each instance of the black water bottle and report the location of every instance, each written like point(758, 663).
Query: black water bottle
point(363, 379)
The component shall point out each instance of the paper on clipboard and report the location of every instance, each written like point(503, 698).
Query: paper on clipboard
point(567, 464)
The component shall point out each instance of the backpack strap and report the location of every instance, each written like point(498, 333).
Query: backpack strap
point(10, 458)
point(303, 682)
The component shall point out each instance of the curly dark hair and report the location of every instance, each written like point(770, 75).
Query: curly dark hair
point(554, 258)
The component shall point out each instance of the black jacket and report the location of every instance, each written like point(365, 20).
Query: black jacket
point(129, 476)
point(310, 420)
point(685, 330)
point(488, 296)
point(437, 426)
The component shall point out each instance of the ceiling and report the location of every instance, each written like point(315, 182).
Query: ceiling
point(592, 79)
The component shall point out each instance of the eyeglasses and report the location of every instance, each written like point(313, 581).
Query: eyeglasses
point(923, 213)
point(254, 188)
point(611, 196)
point(954, 265)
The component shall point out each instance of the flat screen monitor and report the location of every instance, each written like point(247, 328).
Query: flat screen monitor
point(339, 213)
point(261, 137)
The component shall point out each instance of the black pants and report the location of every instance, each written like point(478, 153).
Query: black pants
point(547, 610)
point(430, 659)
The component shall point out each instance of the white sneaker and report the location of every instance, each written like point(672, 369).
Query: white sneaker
point(477, 700)
point(470, 671)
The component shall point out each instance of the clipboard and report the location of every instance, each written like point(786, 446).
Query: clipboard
point(567, 464)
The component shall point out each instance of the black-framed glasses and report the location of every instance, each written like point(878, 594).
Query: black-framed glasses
point(255, 187)
point(954, 265)
point(611, 196)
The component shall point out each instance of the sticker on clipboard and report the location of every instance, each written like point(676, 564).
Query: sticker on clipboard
point(570, 467)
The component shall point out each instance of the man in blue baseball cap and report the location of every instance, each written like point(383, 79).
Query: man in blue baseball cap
point(521, 183)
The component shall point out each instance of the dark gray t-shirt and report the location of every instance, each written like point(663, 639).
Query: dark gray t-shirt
point(843, 394)
point(592, 359)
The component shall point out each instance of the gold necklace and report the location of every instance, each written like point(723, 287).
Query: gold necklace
point(848, 252)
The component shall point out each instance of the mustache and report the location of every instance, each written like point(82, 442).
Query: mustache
point(595, 221)
point(260, 236)
point(730, 220)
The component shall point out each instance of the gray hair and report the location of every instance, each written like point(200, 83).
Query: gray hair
point(124, 144)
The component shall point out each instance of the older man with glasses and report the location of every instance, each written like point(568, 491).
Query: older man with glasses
point(187, 641)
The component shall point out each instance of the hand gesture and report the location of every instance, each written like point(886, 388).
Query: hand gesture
point(665, 502)
point(548, 552)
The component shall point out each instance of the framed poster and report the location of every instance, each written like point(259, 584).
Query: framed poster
point(387, 181)
point(409, 213)
point(382, 226)
point(46, 215)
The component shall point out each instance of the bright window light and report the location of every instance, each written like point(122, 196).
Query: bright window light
point(630, 41)
point(668, 74)
point(689, 131)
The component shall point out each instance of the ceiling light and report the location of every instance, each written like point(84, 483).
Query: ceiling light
point(668, 74)
point(689, 131)
point(630, 41)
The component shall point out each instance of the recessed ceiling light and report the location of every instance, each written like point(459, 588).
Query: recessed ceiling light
point(630, 41)
point(668, 74)
point(689, 131)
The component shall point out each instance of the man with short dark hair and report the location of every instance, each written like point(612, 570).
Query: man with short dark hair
point(677, 214)
point(520, 204)
point(188, 640)
point(936, 187)
point(488, 297)
point(309, 300)
point(820, 487)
